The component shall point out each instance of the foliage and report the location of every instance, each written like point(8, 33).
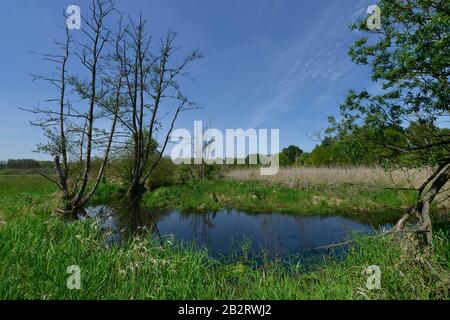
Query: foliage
point(164, 175)
point(409, 58)
point(206, 195)
point(121, 166)
point(290, 155)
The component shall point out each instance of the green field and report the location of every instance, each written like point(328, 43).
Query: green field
point(36, 248)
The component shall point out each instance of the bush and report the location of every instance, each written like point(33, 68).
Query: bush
point(193, 172)
point(164, 175)
point(186, 173)
point(210, 172)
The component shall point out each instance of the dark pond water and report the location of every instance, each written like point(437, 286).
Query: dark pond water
point(224, 232)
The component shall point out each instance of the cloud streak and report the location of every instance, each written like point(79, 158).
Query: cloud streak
point(319, 58)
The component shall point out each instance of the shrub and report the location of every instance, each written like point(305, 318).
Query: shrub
point(164, 175)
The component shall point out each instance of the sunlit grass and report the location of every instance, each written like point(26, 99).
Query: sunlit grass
point(36, 251)
point(19, 193)
point(261, 196)
point(36, 248)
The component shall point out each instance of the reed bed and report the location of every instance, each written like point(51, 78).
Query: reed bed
point(377, 177)
point(299, 177)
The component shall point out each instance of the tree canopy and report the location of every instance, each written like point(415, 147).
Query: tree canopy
point(409, 59)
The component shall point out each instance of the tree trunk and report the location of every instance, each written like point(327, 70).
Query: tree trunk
point(62, 178)
point(135, 192)
point(421, 210)
point(70, 210)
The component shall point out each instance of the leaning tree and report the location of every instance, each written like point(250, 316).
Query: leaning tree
point(79, 146)
point(410, 60)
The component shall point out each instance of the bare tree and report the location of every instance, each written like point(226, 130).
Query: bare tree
point(73, 139)
point(123, 82)
point(154, 95)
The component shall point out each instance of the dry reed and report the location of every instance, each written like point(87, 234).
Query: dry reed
point(309, 176)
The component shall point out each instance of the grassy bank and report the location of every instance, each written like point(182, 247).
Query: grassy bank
point(266, 197)
point(36, 251)
point(36, 248)
point(17, 192)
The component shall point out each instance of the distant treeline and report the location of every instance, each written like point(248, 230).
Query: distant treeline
point(385, 146)
point(24, 164)
point(361, 147)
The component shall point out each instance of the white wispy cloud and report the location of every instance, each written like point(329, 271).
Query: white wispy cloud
point(320, 57)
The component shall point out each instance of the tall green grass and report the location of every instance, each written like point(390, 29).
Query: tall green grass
point(36, 248)
point(36, 251)
point(20, 193)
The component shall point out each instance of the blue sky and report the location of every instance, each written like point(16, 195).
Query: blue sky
point(268, 63)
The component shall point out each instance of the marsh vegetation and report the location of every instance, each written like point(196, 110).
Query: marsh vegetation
point(374, 191)
point(36, 248)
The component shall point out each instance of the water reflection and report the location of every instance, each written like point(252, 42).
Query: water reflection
point(277, 234)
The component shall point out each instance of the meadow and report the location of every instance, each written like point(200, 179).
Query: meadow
point(37, 247)
point(369, 88)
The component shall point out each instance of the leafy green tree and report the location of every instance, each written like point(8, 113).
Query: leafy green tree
point(292, 153)
point(409, 58)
